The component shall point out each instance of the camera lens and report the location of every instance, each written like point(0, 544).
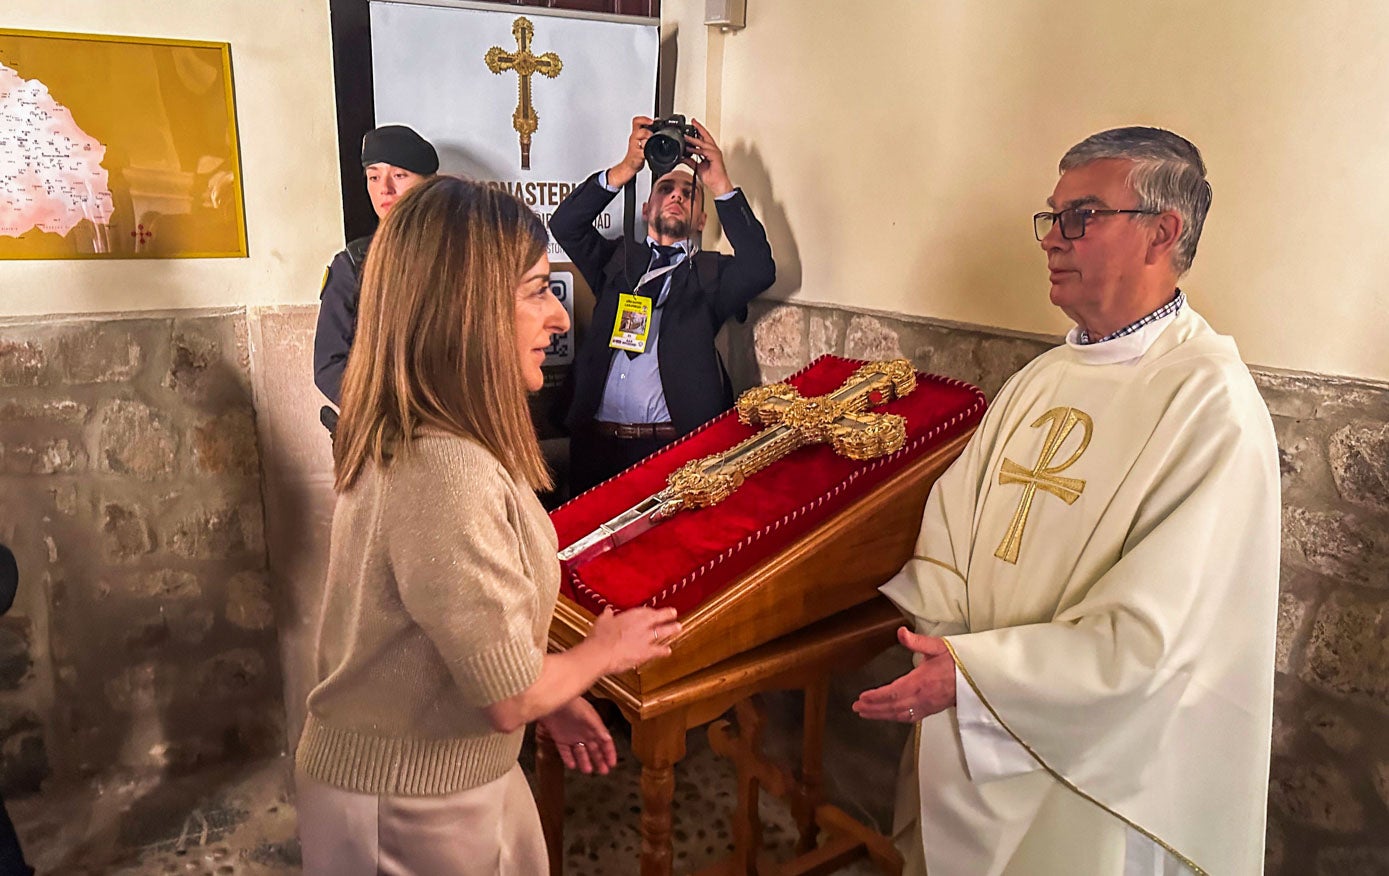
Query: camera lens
point(665, 148)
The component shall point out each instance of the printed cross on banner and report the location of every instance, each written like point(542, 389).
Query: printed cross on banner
point(524, 119)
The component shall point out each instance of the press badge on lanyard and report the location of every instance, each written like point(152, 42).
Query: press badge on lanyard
point(632, 328)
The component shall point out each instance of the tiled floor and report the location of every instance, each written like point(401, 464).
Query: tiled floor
point(241, 822)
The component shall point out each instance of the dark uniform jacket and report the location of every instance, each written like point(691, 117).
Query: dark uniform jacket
point(337, 317)
point(703, 296)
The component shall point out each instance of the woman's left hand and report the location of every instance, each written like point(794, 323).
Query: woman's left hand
point(584, 743)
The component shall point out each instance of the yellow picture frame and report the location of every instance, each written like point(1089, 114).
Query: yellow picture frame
point(118, 147)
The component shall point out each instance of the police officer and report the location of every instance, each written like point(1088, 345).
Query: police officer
point(395, 159)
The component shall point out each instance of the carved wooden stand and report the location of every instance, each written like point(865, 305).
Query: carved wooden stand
point(660, 719)
point(847, 839)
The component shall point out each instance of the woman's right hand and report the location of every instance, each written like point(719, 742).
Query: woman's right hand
point(633, 637)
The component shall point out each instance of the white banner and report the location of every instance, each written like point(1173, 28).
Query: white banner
point(430, 70)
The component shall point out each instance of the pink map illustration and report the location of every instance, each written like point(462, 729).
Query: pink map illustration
point(51, 176)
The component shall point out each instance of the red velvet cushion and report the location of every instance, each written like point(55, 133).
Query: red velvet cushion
point(697, 553)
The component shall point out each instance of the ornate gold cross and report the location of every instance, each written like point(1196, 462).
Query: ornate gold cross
point(524, 119)
point(1043, 476)
point(840, 419)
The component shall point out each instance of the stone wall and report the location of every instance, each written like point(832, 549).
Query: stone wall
point(298, 488)
point(143, 636)
point(168, 528)
point(1330, 776)
point(1329, 788)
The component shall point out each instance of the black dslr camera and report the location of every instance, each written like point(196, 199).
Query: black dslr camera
point(666, 145)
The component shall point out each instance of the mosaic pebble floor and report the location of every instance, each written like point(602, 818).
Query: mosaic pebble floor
point(245, 827)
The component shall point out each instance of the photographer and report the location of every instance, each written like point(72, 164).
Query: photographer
point(635, 392)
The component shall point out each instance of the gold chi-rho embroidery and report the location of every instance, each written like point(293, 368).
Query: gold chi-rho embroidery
point(1044, 476)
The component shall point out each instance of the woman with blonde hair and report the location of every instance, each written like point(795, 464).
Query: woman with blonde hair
point(442, 574)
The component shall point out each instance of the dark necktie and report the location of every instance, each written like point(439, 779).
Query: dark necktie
point(661, 256)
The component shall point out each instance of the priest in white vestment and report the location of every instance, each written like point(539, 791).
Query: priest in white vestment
point(1094, 589)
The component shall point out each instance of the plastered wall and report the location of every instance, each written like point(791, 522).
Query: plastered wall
point(897, 149)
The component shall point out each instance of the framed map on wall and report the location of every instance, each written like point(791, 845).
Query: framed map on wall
point(117, 147)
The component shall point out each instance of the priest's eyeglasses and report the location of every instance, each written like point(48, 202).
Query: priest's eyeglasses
point(1072, 221)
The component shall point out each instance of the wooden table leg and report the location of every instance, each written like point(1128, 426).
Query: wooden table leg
point(747, 822)
point(811, 786)
point(549, 776)
point(659, 744)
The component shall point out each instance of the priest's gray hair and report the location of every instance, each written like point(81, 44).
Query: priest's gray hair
point(1168, 174)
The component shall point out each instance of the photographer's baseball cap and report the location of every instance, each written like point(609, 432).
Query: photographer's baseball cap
point(399, 146)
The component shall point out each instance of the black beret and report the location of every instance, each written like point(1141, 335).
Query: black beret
point(399, 146)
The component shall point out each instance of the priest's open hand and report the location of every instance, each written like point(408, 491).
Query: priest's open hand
point(927, 689)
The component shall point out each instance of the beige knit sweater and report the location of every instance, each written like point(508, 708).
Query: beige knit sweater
point(442, 579)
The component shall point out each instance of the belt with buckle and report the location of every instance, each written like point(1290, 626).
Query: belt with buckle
point(634, 430)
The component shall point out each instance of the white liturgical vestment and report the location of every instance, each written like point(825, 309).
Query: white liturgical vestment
point(1103, 562)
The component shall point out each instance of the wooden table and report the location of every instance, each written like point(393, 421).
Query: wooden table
point(790, 622)
point(661, 717)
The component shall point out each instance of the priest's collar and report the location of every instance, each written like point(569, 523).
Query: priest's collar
point(1129, 342)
